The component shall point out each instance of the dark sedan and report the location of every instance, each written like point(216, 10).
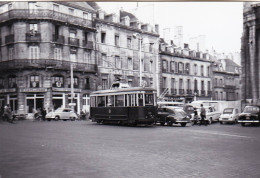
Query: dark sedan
point(172, 115)
point(251, 115)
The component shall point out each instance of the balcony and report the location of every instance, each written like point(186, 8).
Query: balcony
point(33, 37)
point(46, 63)
point(189, 91)
point(181, 91)
point(45, 14)
point(209, 93)
point(73, 41)
point(88, 44)
point(58, 39)
point(9, 38)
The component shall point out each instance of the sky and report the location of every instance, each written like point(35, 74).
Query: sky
point(220, 22)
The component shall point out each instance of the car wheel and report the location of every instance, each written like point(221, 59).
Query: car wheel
point(243, 124)
point(57, 118)
point(183, 124)
point(220, 122)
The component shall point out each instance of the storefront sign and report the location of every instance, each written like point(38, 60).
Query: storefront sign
point(66, 89)
point(33, 89)
point(7, 90)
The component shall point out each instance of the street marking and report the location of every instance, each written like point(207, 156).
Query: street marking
point(231, 135)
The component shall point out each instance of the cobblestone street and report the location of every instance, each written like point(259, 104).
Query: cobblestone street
point(84, 149)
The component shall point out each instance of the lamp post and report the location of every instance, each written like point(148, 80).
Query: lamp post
point(140, 56)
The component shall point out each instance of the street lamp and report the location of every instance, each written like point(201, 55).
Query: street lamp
point(140, 53)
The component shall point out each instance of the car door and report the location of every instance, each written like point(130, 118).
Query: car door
point(162, 114)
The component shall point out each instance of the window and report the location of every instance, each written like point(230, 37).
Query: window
point(87, 83)
point(180, 83)
point(119, 100)
point(104, 83)
point(57, 81)
point(118, 62)
point(180, 67)
point(209, 87)
point(85, 15)
point(216, 95)
point(34, 52)
point(141, 99)
point(208, 71)
point(33, 28)
point(149, 99)
point(87, 58)
point(187, 68)
point(188, 84)
point(220, 83)
point(151, 47)
point(71, 11)
point(12, 82)
point(103, 61)
point(195, 84)
point(75, 82)
point(34, 81)
point(116, 40)
point(173, 83)
point(130, 63)
point(110, 101)
point(164, 66)
point(101, 101)
point(129, 42)
point(172, 66)
point(72, 34)
point(151, 66)
point(195, 69)
point(103, 37)
point(216, 81)
point(164, 82)
point(73, 57)
point(57, 54)
point(202, 70)
point(10, 53)
point(202, 85)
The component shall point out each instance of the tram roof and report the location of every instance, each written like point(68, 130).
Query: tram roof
point(121, 90)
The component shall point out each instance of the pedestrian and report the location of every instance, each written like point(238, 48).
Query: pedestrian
point(8, 114)
point(43, 114)
point(195, 118)
point(202, 115)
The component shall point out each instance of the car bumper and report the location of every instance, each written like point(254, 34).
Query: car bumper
point(248, 121)
point(182, 121)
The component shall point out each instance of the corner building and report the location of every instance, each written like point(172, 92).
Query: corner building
point(40, 43)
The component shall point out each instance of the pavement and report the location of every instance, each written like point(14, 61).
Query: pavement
point(84, 149)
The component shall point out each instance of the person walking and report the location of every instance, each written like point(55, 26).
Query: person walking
point(43, 114)
point(8, 114)
point(195, 119)
point(202, 115)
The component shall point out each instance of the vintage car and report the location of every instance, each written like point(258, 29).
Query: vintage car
point(211, 114)
point(251, 115)
point(230, 115)
point(172, 115)
point(62, 114)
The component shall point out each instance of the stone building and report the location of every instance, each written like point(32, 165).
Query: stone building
point(250, 54)
point(46, 46)
point(185, 74)
point(118, 51)
point(226, 80)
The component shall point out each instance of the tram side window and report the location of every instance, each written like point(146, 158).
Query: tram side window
point(140, 100)
point(149, 100)
point(130, 100)
point(119, 100)
point(93, 101)
point(101, 101)
point(110, 101)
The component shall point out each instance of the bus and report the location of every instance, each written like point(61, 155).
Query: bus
point(130, 106)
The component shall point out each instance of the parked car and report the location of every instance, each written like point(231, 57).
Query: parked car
point(251, 114)
point(62, 114)
point(230, 115)
point(172, 115)
point(211, 114)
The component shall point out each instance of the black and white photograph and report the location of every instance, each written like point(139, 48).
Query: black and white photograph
point(129, 89)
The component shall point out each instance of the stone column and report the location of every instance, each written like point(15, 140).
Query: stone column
point(21, 103)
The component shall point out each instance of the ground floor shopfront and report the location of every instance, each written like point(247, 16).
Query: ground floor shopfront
point(27, 100)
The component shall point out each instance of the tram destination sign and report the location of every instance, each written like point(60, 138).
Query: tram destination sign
point(33, 89)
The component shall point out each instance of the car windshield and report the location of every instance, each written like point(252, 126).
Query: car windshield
point(251, 109)
point(228, 111)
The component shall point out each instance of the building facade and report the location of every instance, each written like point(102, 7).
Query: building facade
point(250, 54)
point(226, 80)
point(185, 74)
point(47, 55)
point(118, 50)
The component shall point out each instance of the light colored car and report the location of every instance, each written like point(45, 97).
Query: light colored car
point(211, 114)
point(230, 115)
point(62, 114)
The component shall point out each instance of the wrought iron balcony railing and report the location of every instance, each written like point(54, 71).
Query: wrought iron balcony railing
point(173, 91)
point(33, 37)
point(9, 38)
point(44, 14)
point(58, 39)
point(189, 91)
point(73, 41)
point(88, 44)
point(181, 91)
point(209, 93)
point(203, 92)
point(47, 64)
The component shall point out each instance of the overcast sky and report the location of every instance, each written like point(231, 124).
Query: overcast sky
point(221, 22)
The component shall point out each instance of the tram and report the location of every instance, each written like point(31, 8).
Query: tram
point(130, 106)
